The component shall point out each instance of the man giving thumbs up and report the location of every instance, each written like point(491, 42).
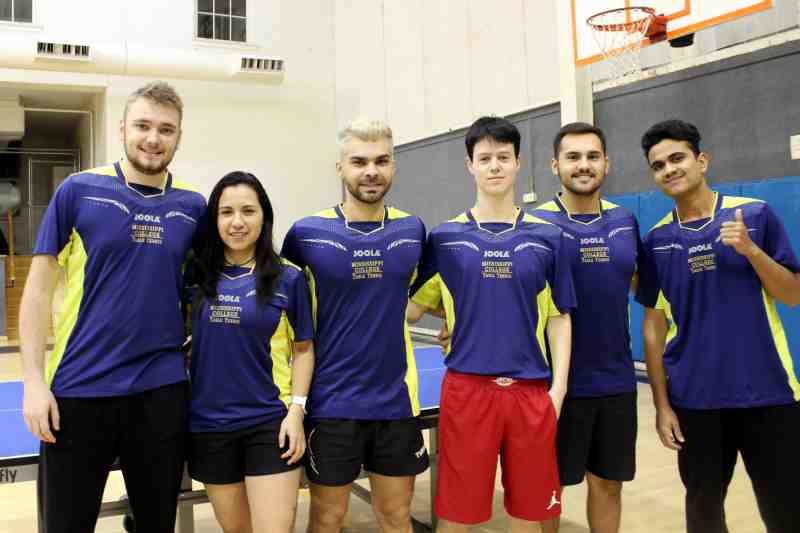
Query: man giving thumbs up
point(717, 357)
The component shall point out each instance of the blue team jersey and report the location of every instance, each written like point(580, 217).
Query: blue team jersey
point(725, 345)
point(359, 275)
point(603, 249)
point(241, 351)
point(498, 284)
point(120, 327)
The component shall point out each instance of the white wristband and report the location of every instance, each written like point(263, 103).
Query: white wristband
point(301, 401)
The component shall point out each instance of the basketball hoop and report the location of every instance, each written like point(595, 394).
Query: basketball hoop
point(619, 33)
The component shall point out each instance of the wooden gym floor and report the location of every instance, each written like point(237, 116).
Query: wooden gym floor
point(652, 503)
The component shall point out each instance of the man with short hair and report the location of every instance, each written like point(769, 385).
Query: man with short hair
point(360, 258)
point(114, 385)
point(597, 427)
point(503, 278)
point(717, 356)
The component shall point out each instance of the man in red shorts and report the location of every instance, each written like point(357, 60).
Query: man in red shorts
point(503, 278)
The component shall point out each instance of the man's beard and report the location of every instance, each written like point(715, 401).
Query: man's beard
point(148, 170)
point(366, 199)
point(580, 192)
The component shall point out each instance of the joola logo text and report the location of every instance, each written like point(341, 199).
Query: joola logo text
point(228, 298)
point(366, 253)
point(592, 240)
point(496, 253)
point(700, 248)
point(147, 218)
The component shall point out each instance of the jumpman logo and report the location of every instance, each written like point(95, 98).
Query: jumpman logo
point(553, 502)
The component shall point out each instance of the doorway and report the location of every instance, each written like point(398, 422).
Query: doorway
point(53, 147)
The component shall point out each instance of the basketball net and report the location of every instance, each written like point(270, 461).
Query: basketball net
point(619, 34)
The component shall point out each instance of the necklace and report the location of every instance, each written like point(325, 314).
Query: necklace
point(242, 264)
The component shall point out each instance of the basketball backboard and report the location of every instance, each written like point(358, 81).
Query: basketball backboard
point(685, 16)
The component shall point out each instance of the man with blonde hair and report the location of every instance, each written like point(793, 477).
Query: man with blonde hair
point(360, 258)
point(114, 385)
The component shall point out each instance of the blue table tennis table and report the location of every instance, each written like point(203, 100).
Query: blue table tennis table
point(19, 450)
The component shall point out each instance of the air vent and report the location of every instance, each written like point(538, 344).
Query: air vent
point(261, 64)
point(72, 52)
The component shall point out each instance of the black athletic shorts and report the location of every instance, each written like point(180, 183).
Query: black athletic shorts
point(227, 457)
point(597, 435)
point(338, 448)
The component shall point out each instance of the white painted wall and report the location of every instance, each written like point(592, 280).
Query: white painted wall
point(163, 24)
point(283, 134)
point(429, 66)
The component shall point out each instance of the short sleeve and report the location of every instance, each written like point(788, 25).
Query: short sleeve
point(290, 249)
point(776, 241)
point(426, 289)
point(562, 289)
point(201, 232)
point(58, 222)
point(648, 287)
point(639, 254)
point(299, 308)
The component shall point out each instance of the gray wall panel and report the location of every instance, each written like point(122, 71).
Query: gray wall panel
point(432, 179)
point(746, 108)
point(543, 128)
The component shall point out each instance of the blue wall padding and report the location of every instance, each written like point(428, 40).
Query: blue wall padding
point(782, 195)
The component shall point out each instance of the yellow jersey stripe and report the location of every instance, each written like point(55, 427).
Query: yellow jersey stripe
point(736, 201)
point(551, 206)
point(411, 377)
point(607, 206)
point(327, 213)
point(312, 289)
point(73, 258)
point(534, 220)
point(781, 344)
point(397, 213)
point(280, 349)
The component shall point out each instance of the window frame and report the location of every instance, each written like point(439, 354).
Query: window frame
point(34, 22)
point(225, 42)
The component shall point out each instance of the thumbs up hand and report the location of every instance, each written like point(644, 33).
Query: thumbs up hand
point(734, 233)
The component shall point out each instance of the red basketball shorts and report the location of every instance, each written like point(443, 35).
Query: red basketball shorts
point(481, 417)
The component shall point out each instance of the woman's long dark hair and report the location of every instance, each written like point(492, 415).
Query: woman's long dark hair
point(211, 258)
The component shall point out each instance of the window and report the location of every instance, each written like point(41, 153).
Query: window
point(223, 20)
point(16, 10)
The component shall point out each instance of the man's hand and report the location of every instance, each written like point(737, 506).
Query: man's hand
point(39, 408)
point(734, 233)
point(669, 430)
point(557, 397)
point(443, 337)
point(292, 428)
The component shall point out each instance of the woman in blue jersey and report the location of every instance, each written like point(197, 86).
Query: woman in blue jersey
point(251, 365)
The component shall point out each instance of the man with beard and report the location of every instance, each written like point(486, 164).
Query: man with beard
point(360, 258)
point(717, 356)
point(503, 279)
point(597, 428)
point(114, 385)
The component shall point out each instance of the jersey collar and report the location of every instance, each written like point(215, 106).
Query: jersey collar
point(244, 274)
point(717, 205)
point(340, 213)
point(569, 215)
point(520, 215)
point(165, 186)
